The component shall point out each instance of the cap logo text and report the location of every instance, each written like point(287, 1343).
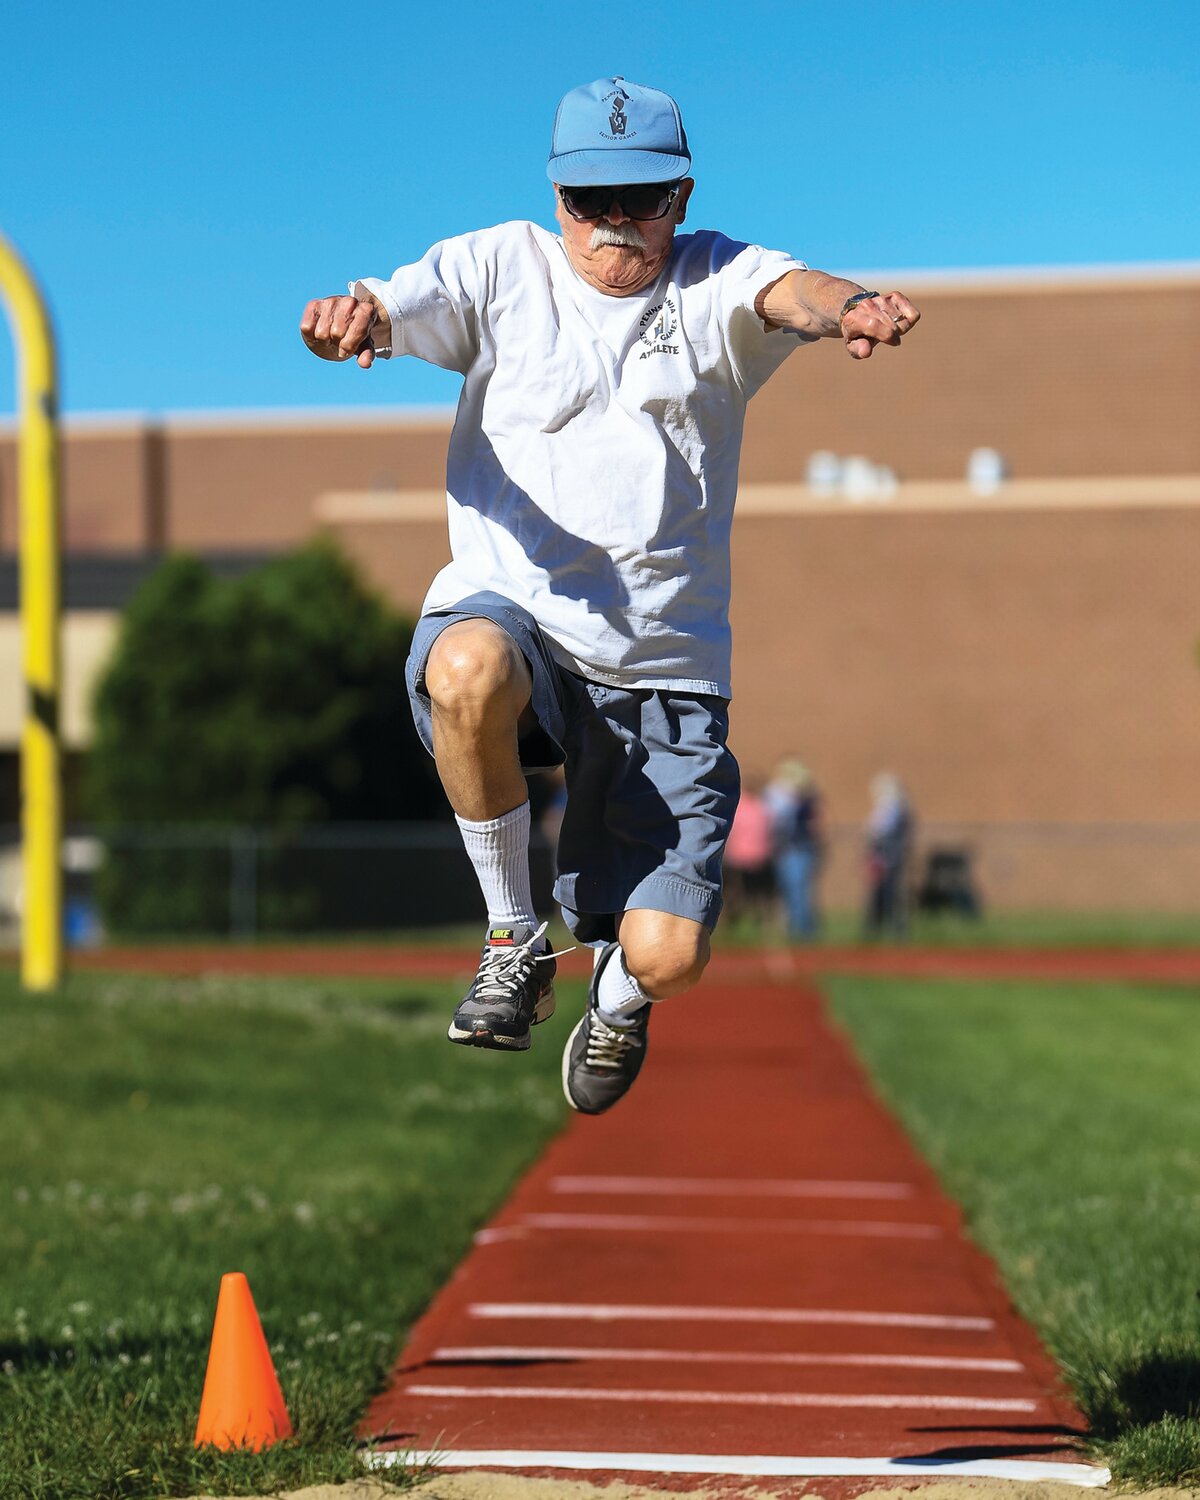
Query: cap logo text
point(618, 120)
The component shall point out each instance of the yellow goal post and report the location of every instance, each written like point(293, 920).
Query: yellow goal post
point(40, 566)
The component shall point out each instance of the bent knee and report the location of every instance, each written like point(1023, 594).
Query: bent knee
point(665, 958)
point(474, 663)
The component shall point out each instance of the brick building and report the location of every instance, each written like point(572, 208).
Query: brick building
point(1024, 655)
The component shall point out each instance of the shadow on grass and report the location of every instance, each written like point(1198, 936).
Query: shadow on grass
point(36, 1354)
point(411, 1007)
point(1151, 1387)
point(29, 1355)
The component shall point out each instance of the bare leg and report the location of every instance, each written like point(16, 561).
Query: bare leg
point(479, 685)
point(658, 955)
point(666, 954)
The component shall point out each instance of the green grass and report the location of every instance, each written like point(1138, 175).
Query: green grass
point(1003, 929)
point(320, 1136)
point(996, 929)
point(1066, 1121)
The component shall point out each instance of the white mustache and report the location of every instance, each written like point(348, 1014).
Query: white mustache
point(626, 235)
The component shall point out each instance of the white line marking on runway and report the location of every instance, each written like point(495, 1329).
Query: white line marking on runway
point(1084, 1475)
point(673, 1224)
point(611, 1312)
point(487, 1353)
point(731, 1187)
point(719, 1398)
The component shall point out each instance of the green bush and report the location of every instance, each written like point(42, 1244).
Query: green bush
point(275, 700)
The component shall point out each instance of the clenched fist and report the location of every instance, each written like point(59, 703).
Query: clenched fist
point(880, 319)
point(341, 328)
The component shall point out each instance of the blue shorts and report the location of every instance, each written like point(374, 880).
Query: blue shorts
point(651, 784)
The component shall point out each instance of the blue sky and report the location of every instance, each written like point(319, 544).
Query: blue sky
point(184, 178)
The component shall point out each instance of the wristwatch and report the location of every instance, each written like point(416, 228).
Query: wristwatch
point(854, 301)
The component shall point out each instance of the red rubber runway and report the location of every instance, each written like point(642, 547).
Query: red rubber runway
point(743, 1269)
point(390, 961)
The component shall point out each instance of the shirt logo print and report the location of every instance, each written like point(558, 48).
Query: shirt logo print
point(658, 326)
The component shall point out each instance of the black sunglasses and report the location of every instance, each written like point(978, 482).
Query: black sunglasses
point(638, 200)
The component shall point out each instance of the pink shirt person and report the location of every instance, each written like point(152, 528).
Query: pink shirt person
point(750, 843)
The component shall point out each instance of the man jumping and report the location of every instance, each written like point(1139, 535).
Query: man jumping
point(584, 619)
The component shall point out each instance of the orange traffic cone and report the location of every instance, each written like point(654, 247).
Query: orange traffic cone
point(242, 1405)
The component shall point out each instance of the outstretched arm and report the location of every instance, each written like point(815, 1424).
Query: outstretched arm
point(814, 303)
point(342, 327)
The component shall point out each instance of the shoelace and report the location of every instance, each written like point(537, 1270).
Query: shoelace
point(502, 971)
point(607, 1045)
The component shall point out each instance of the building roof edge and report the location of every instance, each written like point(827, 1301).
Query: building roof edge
point(203, 419)
point(1048, 278)
point(981, 280)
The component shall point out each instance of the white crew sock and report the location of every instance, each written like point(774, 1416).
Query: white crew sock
point(619, 995)
point(499, 851)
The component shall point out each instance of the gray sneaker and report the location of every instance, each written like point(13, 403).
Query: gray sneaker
point(601, 1061)
point(513, 990)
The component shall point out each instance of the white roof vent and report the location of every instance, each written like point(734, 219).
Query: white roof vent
point(987, 471)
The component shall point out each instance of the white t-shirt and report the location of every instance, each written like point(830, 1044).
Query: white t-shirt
point(593, 464)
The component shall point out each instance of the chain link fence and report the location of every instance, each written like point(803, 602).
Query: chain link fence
point(375, 878)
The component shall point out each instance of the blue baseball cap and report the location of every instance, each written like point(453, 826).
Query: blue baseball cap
point(612, 131)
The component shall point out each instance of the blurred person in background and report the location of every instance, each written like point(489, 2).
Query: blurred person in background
point(890, 830)
point(798, 836)
point(749, 857)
